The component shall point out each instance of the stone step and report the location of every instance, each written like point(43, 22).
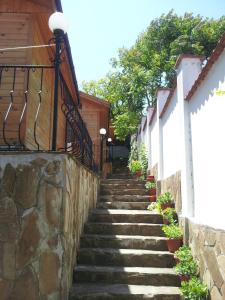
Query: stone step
point(124, 229)
point(120, 176)
point(124, 198)
point(121, 186)
point(125, 257)
point(121, 181)
point(123, 205)
point(121, 215)
point(126, 275)
point(140, 191)
point(87, 291)
point(123, 242)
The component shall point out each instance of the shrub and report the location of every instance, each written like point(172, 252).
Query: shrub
point(165, 198)
point(150, 185)
point(187, 267)
point(172, 231)
point(194, 289)
point(170, 215)
point(135, 166)
point(184, 253)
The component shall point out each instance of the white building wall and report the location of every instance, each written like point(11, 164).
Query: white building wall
point(207, 117)
point(171, 138)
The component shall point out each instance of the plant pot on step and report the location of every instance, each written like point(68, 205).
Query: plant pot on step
point(174, 244)
point(184, 277)
point(151, 178)
point(165, 221)
point(166, 205)
point(152, 198)
point(152, 192)
point(138, 174)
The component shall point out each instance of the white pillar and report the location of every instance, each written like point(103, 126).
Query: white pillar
point(162, 95)
point(188, 68)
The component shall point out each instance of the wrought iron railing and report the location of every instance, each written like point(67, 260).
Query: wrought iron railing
point(77, 141)
point(22, 89)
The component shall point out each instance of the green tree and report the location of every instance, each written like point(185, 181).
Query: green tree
point(149, 64)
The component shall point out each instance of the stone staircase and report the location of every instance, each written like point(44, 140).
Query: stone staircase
point(123, 252)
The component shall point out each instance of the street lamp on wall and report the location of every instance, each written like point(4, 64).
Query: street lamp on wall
point(59, 26)
point(102, 132)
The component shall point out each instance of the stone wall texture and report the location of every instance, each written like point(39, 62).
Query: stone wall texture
point(208, 247)
point(172, 184)
point(45, 200)
point(154, 171)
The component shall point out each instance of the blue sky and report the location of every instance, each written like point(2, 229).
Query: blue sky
point(99, 27)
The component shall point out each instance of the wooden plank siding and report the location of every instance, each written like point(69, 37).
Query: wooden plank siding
point(28, 30)
point(11, 27)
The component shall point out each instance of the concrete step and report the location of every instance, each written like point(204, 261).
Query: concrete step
point(124, 198)
point(123, 205)
point(126, 275)
point(140, 191)
point(124, 229)
point(87, 291)
point(121, 215)
point(125, 257)
point(123, 242)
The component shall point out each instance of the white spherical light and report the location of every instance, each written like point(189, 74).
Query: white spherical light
point(58, 21)
point(102, 131)
point(109, 140)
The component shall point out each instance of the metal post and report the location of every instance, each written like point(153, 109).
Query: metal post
point(101, 154)
point(58, 37)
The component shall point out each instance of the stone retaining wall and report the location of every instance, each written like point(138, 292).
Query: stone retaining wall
point(172, 184)
point(208, 247)
point(44, 202)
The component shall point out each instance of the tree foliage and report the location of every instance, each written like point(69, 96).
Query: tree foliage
point(138, 72)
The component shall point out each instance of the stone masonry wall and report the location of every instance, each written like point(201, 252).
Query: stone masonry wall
point(172, 184)
point(154, 171)
point(208, 247)
point(44, 202)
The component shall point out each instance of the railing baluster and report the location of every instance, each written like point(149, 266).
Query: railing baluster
point(9, 108)
point(24, 106)
point(38, 109)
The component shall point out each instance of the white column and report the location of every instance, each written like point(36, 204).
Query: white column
point(188, 69)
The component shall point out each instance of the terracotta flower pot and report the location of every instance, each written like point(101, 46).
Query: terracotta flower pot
point(166, 205)
point(152, 192)
point(174, 244)
point(166, 222)
point(151, 178)
point(184, 277)
point(138, 174)
point(152, 198)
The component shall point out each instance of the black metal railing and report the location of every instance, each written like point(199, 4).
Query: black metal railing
point(23, 88)
point(15, 90)
point(77, 141)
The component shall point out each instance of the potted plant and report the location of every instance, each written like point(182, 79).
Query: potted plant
point(194, 289)
point(135, 167)
point(165, 200)
point(186, 269)
point(183, 254)
point(169, 216)
point(151, 186)
point(151, 178)
point(174, 234)
point(154, 206)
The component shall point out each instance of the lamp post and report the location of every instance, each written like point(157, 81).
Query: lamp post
point(109, 140)
point(102, 132)
point(58, 25)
